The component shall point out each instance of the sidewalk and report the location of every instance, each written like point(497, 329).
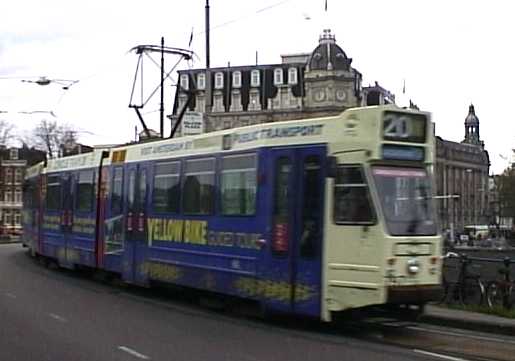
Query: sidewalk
point(12, 239)
point(468, 320)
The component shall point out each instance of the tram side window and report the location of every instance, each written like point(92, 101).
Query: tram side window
point(116, 195)
point(167, 192)
point(199, 186)
point(239, 185)
point(85, 191)
point(311, 207)
point(351, 197)
point(53, 193)
point(282, 193)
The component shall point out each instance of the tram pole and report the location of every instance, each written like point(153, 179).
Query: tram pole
point(162, 108)
point(208, 72)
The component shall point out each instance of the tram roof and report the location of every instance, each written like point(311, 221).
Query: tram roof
point(361, 121)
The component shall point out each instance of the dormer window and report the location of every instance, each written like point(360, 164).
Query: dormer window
point(292, 76)
point(278, 76)
point(185, 81)
point(236, 79)
point(254, 78)
point(219, 80)
point(201, 81)
point(13, 153)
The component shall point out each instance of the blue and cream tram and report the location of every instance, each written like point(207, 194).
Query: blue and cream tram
point(309, 217)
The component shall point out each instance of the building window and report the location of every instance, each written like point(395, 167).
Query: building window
point(8, 175)
point(254, 78)
point(236, 101)
point(182, 100)
point(17, 196)
point(236, 79)
point(292, 76)
point(17, 219)
point(167, 190)
point(218, 103)
point(7, 218)
point(239, 185)
point(199, 186)
point(200, 104)
point(278, 76)
point(254, 101)
point(17, 175)
point(13, 154)
point(219, 80)
point(201, 81)
point(185, 81)
point(8, 196)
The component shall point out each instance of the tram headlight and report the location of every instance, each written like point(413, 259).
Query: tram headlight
point(413, 266)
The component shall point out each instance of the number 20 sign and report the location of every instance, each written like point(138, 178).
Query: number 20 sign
point(396, 126)
point(403, 127)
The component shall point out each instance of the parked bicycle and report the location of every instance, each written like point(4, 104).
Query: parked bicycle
point(501, 292)
point(467, 288)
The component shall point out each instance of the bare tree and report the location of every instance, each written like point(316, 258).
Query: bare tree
point(26, 139)
point(6, 130)
point(54, 138)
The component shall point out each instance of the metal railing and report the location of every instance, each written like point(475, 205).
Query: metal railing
point(467, 287)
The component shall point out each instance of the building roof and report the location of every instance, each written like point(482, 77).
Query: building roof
point(471, 118)
point(328, 55)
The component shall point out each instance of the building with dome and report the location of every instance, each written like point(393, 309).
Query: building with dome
point(306, 85)
point(462, 179)
point(323, 83)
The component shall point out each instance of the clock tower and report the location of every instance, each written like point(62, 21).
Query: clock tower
point(330, 81)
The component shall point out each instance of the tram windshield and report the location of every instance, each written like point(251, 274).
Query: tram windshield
point(406, 200)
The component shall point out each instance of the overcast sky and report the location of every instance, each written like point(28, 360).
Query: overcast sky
point(450, 53)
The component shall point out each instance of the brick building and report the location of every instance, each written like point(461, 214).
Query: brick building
point(13, 162)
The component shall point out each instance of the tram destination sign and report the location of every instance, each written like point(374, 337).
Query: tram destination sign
point(404, 127)
point(402, 152)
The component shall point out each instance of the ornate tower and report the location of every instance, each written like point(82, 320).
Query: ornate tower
point(472, 128)
point(330, 81)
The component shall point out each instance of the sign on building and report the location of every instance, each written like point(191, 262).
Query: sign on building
point(192, 123)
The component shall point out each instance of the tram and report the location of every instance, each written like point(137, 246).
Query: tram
point(309, 217)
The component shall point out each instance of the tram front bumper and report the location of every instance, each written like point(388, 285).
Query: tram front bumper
point(414, 294)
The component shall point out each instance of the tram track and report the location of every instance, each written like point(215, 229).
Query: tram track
point(420, 338)
point(438, 341)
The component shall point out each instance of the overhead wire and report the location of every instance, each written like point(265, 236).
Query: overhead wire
point(248, 15)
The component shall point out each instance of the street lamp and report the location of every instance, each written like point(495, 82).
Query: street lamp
point(455, 197)
point(43, 80)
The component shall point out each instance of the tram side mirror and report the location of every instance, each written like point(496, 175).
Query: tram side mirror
point(331, 166)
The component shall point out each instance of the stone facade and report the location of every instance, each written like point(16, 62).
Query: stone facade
point(306, 85)
point(323, 83)
point(462, 179)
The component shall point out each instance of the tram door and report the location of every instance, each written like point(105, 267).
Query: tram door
point(297, 224)
point(135, 218)
point(66, 258)
point(39, 215)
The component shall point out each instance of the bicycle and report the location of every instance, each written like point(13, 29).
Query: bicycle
point(501, 292)
point(468, 289)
